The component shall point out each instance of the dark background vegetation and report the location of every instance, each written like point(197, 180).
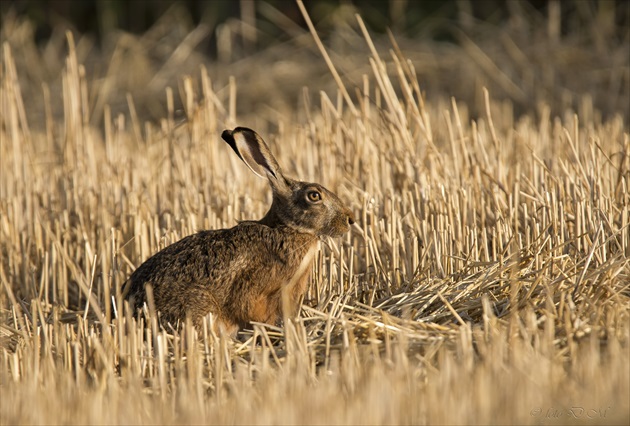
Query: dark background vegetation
point(411, 17)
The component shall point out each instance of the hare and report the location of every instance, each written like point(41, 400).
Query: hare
point(256, 271)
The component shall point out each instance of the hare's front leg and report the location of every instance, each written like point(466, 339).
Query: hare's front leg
point(292, 296)
point(293, 291)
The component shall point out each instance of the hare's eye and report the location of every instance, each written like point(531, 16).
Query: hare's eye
point(314, 196)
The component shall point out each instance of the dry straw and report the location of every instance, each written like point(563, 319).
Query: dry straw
point(486, 282)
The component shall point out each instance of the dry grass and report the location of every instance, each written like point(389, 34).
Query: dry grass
point(486, 281)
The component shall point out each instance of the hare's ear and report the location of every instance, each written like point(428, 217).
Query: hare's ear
point(252, 150)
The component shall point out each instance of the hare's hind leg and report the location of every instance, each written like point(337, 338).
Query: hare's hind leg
point(225, 328)
point(266, 308)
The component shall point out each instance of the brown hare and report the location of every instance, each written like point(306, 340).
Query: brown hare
point(256, 271)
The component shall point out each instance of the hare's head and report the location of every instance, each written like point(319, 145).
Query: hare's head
point(304, 206)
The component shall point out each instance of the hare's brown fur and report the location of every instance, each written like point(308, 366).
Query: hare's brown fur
point(254, 272)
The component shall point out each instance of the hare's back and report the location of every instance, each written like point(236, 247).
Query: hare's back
point(213, 259)
point(193, 259)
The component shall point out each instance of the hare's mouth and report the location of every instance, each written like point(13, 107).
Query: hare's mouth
point(335, 232)
point(340, 234)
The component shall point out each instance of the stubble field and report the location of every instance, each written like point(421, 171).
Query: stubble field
point(486, 280)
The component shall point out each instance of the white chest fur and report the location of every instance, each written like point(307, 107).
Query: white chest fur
point(304, 267)
point(294, 288)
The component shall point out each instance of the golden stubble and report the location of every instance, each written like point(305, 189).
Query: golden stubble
point(486, 279)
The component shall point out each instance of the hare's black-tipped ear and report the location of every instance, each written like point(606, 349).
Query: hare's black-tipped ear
point(254, 152)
